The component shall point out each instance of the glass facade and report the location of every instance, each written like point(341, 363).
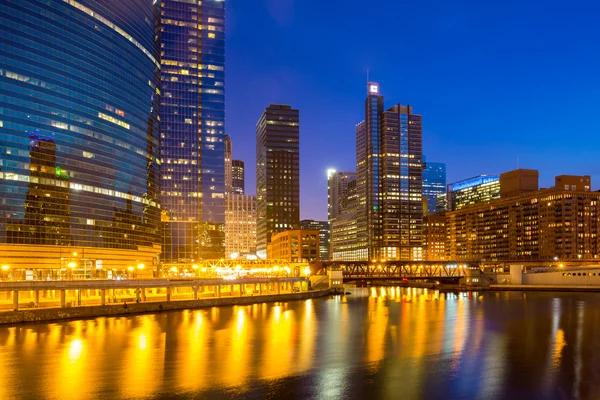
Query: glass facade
point(474, 190)
point(79, 128)
point(238, 177)
point(193, 129)
point(434, 184)
point(389, 180)
point(324, 235)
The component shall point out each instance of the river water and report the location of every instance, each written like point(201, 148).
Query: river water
point(377, 343)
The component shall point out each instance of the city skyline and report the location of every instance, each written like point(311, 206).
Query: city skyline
point(330, 98)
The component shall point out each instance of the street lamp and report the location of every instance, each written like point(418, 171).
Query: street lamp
point(5, 269)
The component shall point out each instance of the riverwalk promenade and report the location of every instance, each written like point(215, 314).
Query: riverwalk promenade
point(30, 301)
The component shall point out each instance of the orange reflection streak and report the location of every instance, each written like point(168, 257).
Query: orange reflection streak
point(238, 352)
point(277, 357)
point(193, 337)
point(559, 345)
point(74, 363)
point(376, 332)
point(308, 333)
point(7, 340)
point(143, 361)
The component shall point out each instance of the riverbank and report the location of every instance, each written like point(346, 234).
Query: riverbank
point(57, 314)
point(543, 288)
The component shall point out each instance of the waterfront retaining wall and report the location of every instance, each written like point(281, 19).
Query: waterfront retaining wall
point(55, 314)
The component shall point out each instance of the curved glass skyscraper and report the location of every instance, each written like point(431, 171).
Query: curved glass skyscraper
point(79, 136)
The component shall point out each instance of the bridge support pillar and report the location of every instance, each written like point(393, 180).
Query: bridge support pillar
point(218, 289)
point(260, 285)
point(63, 298)
point(138, 295)
point(195, 289)
point(278, 287)
point(36, 298)
point(103, 297)
point(78, 297)
point(168, 294)
point(15, 300)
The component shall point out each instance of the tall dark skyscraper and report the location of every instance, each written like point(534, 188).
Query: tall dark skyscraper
point(238, 177)
point(79, 136)
point(389, 170)
point(434, 185)
point(277, 173)
point(193, 128)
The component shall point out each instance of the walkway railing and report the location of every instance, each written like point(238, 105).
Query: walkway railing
point(42, 294)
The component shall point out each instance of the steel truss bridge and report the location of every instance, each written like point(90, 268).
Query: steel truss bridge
point(404, 269)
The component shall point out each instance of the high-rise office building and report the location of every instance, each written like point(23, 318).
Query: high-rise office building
point(341, 190)
point(323, 228)
point(337, 187)
point(434, 237)
point(240, 225)
point(434, 183)
point(344, 243)
point(238, 177)
point(228, 165)
point(193, 129)
point(277, 173)
point(79, 137)
point(389, 169)
point(473, 190)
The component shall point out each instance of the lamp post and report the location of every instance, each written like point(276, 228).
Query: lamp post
point(5, 269)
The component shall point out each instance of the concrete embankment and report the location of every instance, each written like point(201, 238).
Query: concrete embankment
point(55, 314)
point(543, 288)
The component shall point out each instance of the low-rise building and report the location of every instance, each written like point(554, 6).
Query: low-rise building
point(541, 225)
point(297, 245)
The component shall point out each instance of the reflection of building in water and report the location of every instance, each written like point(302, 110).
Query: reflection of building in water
point(46, 205)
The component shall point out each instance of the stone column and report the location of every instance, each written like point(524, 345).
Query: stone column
point(63, 298)
point(103, 297)
point(138, 295)
point(168, 294)
point(195, 289)
point(78, 297)
point(36, 297)
point(218, 289)
point(278, 287)
point(260, 288)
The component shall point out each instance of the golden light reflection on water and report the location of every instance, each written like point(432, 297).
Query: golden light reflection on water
point(401, 331)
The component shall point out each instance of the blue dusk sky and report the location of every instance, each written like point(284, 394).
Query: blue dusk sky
point(495, 82)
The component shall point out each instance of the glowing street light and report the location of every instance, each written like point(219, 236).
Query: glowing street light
point(71, 265)
point(141, 266)
point(5, 267)
point(130, 269)
point(307, 271)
